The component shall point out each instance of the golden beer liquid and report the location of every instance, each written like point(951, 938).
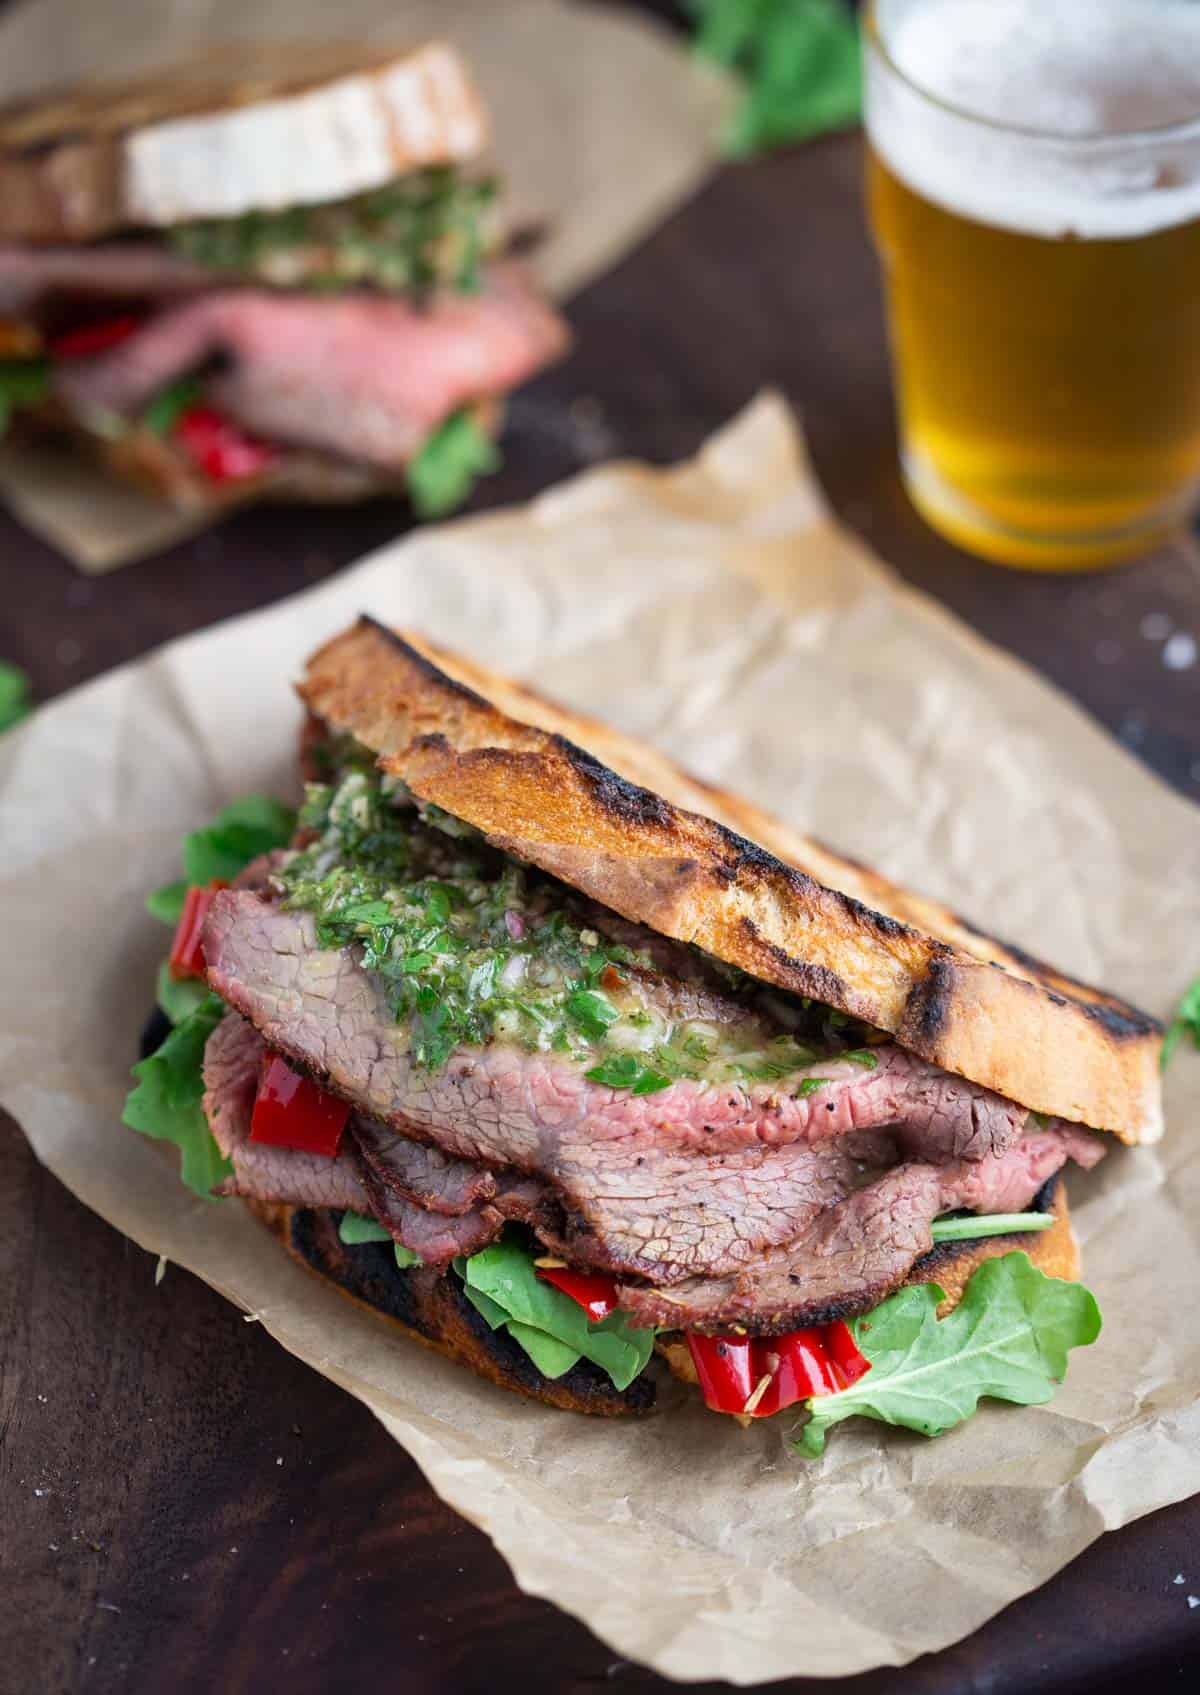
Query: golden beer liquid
point(1048, 390)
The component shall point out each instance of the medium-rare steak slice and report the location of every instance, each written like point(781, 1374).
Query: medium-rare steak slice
point(857, 1252)
point(421, 1173)
point(505, 1105)
point(367, 378)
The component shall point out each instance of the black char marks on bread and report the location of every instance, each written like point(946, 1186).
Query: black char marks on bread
point(432, 1308)
point(736, 1204)
point(627, 827)
point(366, 378)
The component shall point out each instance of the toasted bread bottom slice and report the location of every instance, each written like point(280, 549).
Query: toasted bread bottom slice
point(430, 1306)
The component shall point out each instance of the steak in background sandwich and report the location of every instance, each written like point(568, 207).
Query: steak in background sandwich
point(561, 1060)
point(285, 278)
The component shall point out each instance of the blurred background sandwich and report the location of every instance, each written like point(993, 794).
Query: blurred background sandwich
point(229, 283)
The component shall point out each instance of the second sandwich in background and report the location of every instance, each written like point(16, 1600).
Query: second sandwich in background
point(294, 284)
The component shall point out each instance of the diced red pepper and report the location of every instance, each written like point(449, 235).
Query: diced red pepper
point(725, 1367)
point(848, 1362)
point(88, 339)
point(187, 954)
point(291, 1111)
point(219, 448)
point(595, 1293)
point(761, 1375)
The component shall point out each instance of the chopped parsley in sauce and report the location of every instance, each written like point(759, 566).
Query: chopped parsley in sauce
point(474, 947)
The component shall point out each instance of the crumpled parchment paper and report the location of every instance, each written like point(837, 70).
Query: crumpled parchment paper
point(602, 127)
point(717, 609)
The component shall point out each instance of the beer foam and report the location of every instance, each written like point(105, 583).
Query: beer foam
point(1079, 75)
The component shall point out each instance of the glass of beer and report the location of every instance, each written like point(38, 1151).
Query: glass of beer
point(1034, 192)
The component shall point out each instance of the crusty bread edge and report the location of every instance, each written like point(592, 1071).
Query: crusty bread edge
point(108, 157)
point(1003, 1021)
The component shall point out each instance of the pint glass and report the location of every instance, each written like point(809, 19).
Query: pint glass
point(1034, 193)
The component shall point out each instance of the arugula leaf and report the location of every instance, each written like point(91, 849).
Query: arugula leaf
point(169, 404)
point(356, 1227)
point(1185, 1022)
point(442, 474)
point(23, 382)
point(988, 1224)
point(405, 1256)
point(810, 1085)
point(800, 61)
point(15, 702)
point(1008, 1338)
point(165, 1102)
point(166, 904)
point(861, 1056)
point(178, 1000)
point(506, 1275)
point(239, 833)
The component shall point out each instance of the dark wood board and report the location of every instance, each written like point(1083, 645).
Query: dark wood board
point(186, 1508)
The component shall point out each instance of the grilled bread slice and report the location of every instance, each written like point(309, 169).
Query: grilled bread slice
point(254, 126)
point(619, 821)
point(430, 1307)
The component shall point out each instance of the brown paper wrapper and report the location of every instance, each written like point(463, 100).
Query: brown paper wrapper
point(601, 128)
point(716, 609)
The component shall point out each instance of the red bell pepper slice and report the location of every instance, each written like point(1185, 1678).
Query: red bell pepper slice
point(219, 448)
point(89, 339)
point(761, 1375)
point(595, 1293)
point(848, 1362)
point(187, 954)
point(725, 1367)
point(291, 1111)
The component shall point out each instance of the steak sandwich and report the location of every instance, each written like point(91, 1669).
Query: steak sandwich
point(562, 1060)
point(274, 271)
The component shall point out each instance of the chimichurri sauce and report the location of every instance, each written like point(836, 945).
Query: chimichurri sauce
point(474, 947)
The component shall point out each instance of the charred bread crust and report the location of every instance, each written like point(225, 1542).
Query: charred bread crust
point(951, 1265)
point(622, 823)
point(84, 161)
point(429, 1306)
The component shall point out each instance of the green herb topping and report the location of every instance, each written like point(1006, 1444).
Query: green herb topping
point(427, 230)
point(473, 947)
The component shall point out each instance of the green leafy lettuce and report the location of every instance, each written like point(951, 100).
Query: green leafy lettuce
point(14, 693)
point(356, 1228)
point(443, 473)
point(1186, 1022)
point(989, 1224)
point(165, 1102)
point(239, 833)
point(502, 1284)
point(23, 382)
point(1007, 1338)
point(800, 63)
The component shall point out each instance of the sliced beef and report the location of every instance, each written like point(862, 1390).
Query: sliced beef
point(859, 1250)
point(119, 270)
point(735, 1204)
point(288, 1175)
point(365, 377)
point(421, 1173)
point(260, 1172)
point(435, 1236)
point(505, 1106)
point(849, 1259)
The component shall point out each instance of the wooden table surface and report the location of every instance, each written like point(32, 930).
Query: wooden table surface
point(185, 1507)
